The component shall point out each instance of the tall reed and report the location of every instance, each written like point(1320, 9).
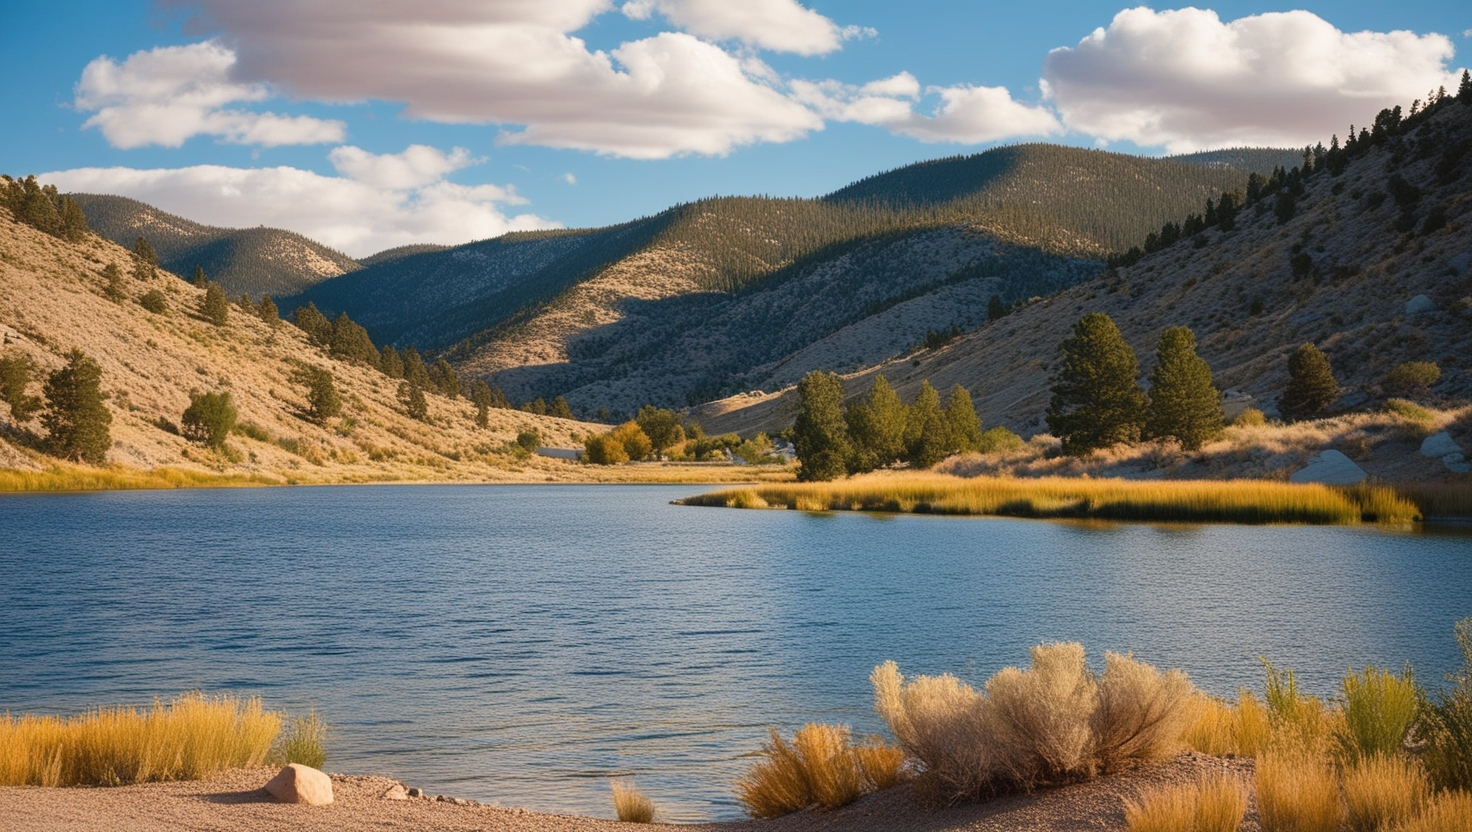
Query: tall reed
point(1381, 790)
point(1297, 792)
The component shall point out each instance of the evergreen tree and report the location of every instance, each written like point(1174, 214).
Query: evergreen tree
point(1311, 384)
point(1097, 401)
point(819, 434)
point(445, 380)
point(876, 428)
point(482, 398)
point(199, 278)
point(209, 419)
point(1184, 402)
point(115, 290)
point(36, 208)
point(411, 396)
point(1464, 91)
point(390, 363)
point(154, 301)
point(962, 423)
point(15, 377)
point(267, 311)
point(76, 420)
point(144, 252)
point(562, 410)
point(323, 402)
point(661, 426)
point(142, 272)
point(350, 341)
point(314, 324)
point(414, 369)
point(995, 309)
point(73, 227)
point(927, 433)
point(214, 306)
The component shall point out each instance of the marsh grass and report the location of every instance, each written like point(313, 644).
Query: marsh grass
point(1382, 790)
point(1220, 728)
point(1297, 792)
point(1447, 499)
point(1379, 708)
point(302, 740)
point(630, 804)
point(1232, 501)
point(822, 765)
point(1448, 812)
point(81, 478)
point(1211, 805)
point(191, 737)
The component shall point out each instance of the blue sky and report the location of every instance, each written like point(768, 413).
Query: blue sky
point(522, 113)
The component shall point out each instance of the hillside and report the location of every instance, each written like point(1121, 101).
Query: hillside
point(735, 293)
point(1339, 272)
point(257, 261)
point(53, 298)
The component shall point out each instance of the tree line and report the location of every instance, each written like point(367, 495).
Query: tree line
point(43, 208)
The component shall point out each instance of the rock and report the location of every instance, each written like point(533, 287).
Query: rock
point(1456, 463)
point(1439, 445)
point(1330, 468)
point(1461, 262)
point(301, 784)
point(396, 792)
point(417, 792)
point(1419, 304)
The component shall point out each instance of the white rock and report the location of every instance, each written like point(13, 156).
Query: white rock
point(1418, 304)
point(1330, 468)
point(1439, 445)
point(396, 792)
point(301, 784)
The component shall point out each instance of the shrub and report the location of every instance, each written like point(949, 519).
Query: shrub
point(821, 765)
point(209, 418)
point(1211, 805)
point(1250, 417)
point(529, 439)
point(154, 301)
point(1409, 410)
point(303, 741)
point(1449, 812)
point(636, 445)
point(1141, 712)
point(604, 449)
point(76, 420)
point(1447, 722)
point(1382, 790)
point(1000, 440)
point(1297, 792)
point(115, 290)
point(15, 377)
point(630, 804)
point(1379, 709)
point(1412, 378)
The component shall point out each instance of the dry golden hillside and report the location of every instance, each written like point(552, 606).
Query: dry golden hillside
point(52, 298)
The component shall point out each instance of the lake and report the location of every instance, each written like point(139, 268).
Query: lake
point(522, 643)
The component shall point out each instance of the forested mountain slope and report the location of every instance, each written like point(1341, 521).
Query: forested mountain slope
point(1335, 265)
point(258, 261)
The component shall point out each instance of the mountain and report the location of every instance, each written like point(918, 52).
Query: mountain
point(733, 293)
point(257, 261)
point(1259, 160)
point(1337, 269)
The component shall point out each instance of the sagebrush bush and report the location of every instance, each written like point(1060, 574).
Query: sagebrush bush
point(1297, 792)
point(631, 805)
point(1381, 790)
point(1379, 709)
point(1141, 712)
point(822, 765)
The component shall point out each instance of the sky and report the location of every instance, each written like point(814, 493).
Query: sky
point(369, 124)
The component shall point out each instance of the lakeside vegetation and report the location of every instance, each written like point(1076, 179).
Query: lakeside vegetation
point(62, 478)
point(1188, 501)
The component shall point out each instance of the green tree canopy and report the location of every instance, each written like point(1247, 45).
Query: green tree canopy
point(350, 341)
point(995, 308)
point(214, 306)
point(411, 396)
point(819, 435)
point(1311, 384)
point(444, 378)
point(1097, 401)
point(199, 279)
point(604, 449)
point(562, 410)
point(314, 323)
point(661, 426)
point(144, 252)
point(15, 377)
point(927, 433)
point(876, 427)
point(209, 418)
point(962, 423)
point(323, 401)
point(115, 289)
point(414, 369)
point(76, 420)
point(390, 363)
point(636, 443)
point(1184, 402)
point(267, 311)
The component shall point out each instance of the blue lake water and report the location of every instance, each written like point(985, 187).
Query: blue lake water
point(522, 643)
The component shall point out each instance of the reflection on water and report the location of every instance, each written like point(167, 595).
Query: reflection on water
point(522, 643)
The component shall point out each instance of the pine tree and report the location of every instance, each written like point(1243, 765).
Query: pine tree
point(36, 208)
point(963, 424)
point(819, 434)
point(661, 426)
point(876, 428)
point(1184, 402)
point(389, 362)
point(562, 410)
point(73, 222)
point(927, 433)
point(480, 396)
point(411, 396)
point(15, 377)
point(1311, 384)
point(414, 369)
point(199, 278)
point(445, 380)
point(268, 312)
point(995, 309)
point(209, 418)
point(1097, 401)
point(323, 402)
point(1464, 91)
point(76, 420)
point(351, 341)
point(144, 252)
point(115, 290)
point(314, 323)
point(214, 306)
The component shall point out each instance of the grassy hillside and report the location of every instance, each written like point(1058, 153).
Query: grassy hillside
point(1337, 271)
point(259, 261)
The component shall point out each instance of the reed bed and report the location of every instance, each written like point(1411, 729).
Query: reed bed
point(1297, 792)
point(1193, 501)
point(191, 737)
point(80, 478)
point(1383, 790)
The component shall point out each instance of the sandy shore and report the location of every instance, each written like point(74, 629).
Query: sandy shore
point(235, 802)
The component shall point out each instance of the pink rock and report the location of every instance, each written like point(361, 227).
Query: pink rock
point(301, 784)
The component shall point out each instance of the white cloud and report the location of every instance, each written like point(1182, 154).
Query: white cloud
point(780, 25)
point(515, 64)
point(417, 166)
point(1188, 81)
point(354, 216)
point(569, 178)
point(167, 95)
point(964, 114)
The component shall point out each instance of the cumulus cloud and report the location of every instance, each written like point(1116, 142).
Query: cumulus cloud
point(963, 114)
point(417, 166)
point(515, 63)
point(1187, 80)
point(360, 216)
point(167, 95)
point(780, 25)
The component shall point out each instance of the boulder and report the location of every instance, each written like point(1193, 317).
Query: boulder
point(1461, 263)
point(396, 792)
point(1419, 304)
point(1439, 445)
point(1330, 468)
point(1457, 464)
point(301, 784)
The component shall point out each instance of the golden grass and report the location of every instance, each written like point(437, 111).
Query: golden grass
point(1212, 805)
point(822, 765)
point(1382, 790)
point(1210, 730)
point(193, 736)
point(630, 804)
point(1379, 708)
point(117, 478)
point(1297, 792)
point(303, 740)
point(1232, 501)
point(1449, 812)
